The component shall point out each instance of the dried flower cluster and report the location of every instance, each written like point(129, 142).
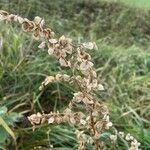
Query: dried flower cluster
point(94, 116)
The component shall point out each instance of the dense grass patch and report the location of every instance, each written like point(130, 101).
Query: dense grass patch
point(111, 21)
point(138, 3)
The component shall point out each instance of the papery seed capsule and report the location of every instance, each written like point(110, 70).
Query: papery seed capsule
point(51, 120)
point(50, 51)
point(20, 19)
point(25, 26)
point(4, 13)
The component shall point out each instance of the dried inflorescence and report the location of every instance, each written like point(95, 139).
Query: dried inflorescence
point(94, 116)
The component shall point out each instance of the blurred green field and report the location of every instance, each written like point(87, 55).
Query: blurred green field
point(138, 3)
point(122, 60)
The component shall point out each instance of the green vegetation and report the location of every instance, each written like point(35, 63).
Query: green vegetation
point(122, 60)
point(138, 3)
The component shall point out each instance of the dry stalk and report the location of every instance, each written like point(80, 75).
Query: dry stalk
point(95, 117)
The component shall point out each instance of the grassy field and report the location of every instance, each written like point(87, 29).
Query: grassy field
point(122, 60)
point(139, 3)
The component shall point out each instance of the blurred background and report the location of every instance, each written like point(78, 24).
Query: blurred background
point(121, 30)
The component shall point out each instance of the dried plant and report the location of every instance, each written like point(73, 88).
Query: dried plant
point(94, 116)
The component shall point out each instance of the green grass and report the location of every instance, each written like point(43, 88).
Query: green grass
point(138, 3)
point(126, 74)
point(113, 22)
point(122, 61)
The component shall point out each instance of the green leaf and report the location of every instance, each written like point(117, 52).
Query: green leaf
point(3, 135)
point(105, 135)
point(11, 118)
point(3, 110)
point(2, 148)
point(7, 128)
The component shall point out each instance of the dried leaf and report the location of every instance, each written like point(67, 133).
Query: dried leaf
point(88, 45)
point(42, 45)
point(63, 62)
point(87, 100)
point(37, 19)
point(51, 120)
point(53, 41)
point(48, 80)
point(85, 65)
point(100, 87)
point(20, 19)
point(82, 121)
point(50, 51)
point(72, 120)
point(34, 119)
